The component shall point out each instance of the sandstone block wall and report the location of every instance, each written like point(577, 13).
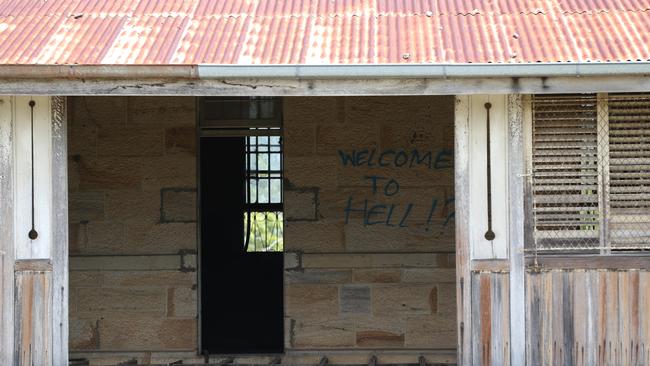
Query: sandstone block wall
point(369, 223)
point(132, 199)
point(367, 266)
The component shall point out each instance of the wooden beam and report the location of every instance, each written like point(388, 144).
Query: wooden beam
point(515, 203)
point(325, 87)
point(462, 209)
point(6, 232)
point(59, 257)
point(577, 261)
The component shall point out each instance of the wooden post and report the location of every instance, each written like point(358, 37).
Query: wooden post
point(516, 181)
point(461, 182)
point(34, 231)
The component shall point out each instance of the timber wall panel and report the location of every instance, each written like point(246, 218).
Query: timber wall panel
point(33, 316)
point(490, 318)
point(588, 317)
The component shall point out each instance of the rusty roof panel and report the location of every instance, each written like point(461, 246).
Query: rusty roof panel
point(322, 31)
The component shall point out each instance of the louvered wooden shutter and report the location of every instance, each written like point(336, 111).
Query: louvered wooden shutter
point(565, 172)
point(629, 171)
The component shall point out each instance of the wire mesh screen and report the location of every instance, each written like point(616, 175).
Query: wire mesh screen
point(591, 173)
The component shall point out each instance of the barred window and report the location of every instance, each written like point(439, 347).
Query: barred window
point(257, 122)
point(590, 181)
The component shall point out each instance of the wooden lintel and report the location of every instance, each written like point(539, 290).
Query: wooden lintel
point(490, 265)
point(37, 265)
point(325, 87)
point(613, 262)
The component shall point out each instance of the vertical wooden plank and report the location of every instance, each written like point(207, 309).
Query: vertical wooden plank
point(611, 320)
point(568, 279)
point(624, 299)
point(59, 231)
point(644, 318)
point(500, 353)
point(602, 317)
point(591, 286)
point(32, 326)
point(516, 171)
point(461, 184)
point(41, 247)
point(480, 248)
point(533, 324)
point(556, 312)
point(580, 310)
point(476, 334)
point(485, 302)
point(6, 232)
point(634, 324)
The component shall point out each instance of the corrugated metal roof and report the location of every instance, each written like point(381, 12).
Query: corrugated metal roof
point(322, 31)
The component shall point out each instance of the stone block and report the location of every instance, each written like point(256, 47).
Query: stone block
point(312, 110)
point(291, 259)
point(376, 275)
point(150, 278)
point(399, 110)
point(133, 207)
point(429, 275)
point(182, 302)
point(332, 137)
point(404, 299)
point(318, 276)
point(323, 333)
point(129, 333)
point(82, 139)
point(98, 111)
point(301, 204)
point(180, 140)
point(84, 334)
point(86, 279)
point(431, 331)
point(105, 173)
point(311, 171)
point(378, 260)
point(379, 339)
point(178, 205)
point(299, 140)
point(105, 237)
point(77, 238)
point(177, 170)
point(311, 301)
point(105, 300)
point(447, 299)
point(170, 238)
point(355, 299)
point(162, 111)
point(130, 141)
point(314, 236)
point(85, 206)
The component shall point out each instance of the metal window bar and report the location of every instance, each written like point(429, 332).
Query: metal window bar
point(264, 196)
point(590, 181)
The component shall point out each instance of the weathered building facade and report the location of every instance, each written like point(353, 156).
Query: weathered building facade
point(355, 183)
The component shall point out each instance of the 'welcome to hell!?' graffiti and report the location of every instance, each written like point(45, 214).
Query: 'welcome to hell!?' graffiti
point(384, 188)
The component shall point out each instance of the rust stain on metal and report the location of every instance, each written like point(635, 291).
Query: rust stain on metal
point(148, 32)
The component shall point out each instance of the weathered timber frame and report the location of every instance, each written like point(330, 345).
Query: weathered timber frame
point(34, 274)
point(490, 274)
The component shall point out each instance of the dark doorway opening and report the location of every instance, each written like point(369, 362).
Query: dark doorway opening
point(241, 285)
